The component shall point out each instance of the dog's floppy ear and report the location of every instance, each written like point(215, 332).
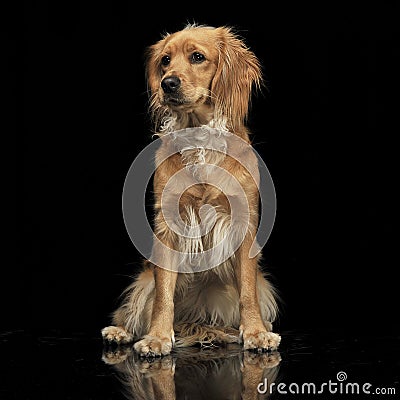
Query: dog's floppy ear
point(153, 66)
point(237, 73)
point(153, 55)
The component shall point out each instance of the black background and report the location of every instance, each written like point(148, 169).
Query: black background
point(325, 124)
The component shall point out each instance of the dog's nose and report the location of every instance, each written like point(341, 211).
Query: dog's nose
point(171, 84)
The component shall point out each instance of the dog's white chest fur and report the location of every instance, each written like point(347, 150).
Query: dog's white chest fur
point(200, 146)
point(205, 235)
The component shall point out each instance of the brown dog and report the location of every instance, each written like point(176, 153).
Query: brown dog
point(201, 77)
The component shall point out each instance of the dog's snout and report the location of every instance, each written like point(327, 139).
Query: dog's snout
point(171, 84)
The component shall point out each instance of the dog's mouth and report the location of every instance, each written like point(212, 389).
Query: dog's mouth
point(176, 101)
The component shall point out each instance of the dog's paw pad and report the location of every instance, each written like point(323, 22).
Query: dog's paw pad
point(116, 334)
point(261, 341)
point(261, 360)
point(156, 366)
point(116, 356)
point(152, 346)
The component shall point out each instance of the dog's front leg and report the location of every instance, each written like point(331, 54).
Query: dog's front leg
point(160, 338)
point(253, 331)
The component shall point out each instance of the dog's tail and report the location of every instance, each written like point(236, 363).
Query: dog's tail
point(204, 335)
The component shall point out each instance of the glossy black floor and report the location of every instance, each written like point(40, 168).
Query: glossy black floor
point(324, 126)
point(310, 364)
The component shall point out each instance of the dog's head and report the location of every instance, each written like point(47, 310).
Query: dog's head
point(201, 74)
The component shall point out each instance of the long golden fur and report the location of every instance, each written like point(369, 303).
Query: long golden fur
point(200, 76)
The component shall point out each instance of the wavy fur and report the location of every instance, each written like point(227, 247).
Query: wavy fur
point(200, 77)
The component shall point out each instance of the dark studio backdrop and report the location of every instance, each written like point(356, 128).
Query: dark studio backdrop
point(324, 124)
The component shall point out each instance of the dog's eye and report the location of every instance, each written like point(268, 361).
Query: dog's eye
point(197, 58)
point(165, 60)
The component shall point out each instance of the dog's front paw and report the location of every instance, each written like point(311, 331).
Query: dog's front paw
point(260, 340)
point(154, 346)
point(116, 334)
point(163, 365)
point(117, 355)
point(263, 360)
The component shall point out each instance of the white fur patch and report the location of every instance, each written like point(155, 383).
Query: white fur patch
point(200, 147)
point(209, 242)
point(190, 243)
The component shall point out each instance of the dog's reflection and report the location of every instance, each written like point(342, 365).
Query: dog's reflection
point(195, 373)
